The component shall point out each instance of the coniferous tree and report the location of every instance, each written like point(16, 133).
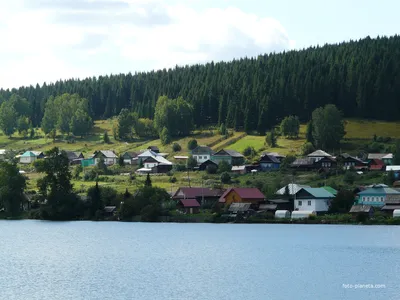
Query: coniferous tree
point(148, 181)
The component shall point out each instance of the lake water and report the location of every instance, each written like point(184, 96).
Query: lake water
point(110, 260)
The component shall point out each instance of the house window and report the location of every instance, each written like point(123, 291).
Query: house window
point(381, 199)
point(363, 198)
point(309, 203)
point(367, 199)
point(300, 203)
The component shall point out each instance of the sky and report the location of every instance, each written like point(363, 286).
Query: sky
point(48, 40)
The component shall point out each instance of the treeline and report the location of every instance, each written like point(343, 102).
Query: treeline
point(362, 78)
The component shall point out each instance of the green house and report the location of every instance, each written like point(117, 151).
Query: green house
point(232, 157)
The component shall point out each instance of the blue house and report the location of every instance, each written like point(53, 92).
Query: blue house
point(269, 163)
point(377, 195)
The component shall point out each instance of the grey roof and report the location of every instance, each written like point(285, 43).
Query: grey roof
point(239, 207)
point(293, 188)
point(361, 208)
point(107, 153)
point(234, 153)
point(276, 154)
point(378, 190)
point(319, 153)
point(230, 152)
point(390, 207)
point(73, 155)
point(202, 150)
point(268, 206)
point(271, 158)
point(238, 168)
point(379, 155)
point(302, 162)
point(110, 209)
point(131, 154)
point(277, 201)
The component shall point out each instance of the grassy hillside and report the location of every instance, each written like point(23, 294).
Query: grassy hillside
point(358, 133)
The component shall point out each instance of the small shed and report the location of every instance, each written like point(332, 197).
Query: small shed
point(109, 211)
point(234, 208)
point(396, 213)
point(189, 206)
point(239, 169)
point(303, 214)
point(282, 214)
point(358, 209)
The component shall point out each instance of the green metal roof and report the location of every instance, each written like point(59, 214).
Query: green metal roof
point(379, 191)
point(319, 192)
point(28, 154)
point(330, 190)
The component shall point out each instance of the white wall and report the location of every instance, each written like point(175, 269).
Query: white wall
point(107, 161)
point(27, 160)
point(150, 165)
point(128, 161)
point(204, 157)
point(318, 205)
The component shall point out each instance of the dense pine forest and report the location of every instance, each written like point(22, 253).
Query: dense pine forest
point(362, 78)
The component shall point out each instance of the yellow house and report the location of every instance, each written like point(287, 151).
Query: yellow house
point(242, 195)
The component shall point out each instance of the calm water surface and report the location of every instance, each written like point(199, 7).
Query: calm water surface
point(89, 260)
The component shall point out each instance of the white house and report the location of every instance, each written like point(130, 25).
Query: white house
point(313, 199)
point(110, 158)
point(27, 158)
point(318, 155)
point(202, 154)
point(155, 162)
point(2, 154)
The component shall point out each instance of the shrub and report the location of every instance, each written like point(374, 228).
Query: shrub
point(179, 167)
point(307, 148)
point(211, 169)
point(172, 179)
point(192, 144)
point(224, 166)
point(249, 151)
point(225, 177)
point(349, 177)
point(176, 147)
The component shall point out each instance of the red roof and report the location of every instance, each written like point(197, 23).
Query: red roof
point(244, 193)
point(197, 192)
point(190, 203)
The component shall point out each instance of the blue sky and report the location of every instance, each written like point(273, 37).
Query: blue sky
point(47, 40)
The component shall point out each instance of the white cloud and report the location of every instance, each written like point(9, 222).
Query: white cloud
point(46, 41)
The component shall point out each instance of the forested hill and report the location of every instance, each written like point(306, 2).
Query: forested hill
point(361, 77)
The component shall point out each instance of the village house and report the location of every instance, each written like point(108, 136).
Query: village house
point(391, 204)
point(130, 158)
point(3, 154)
point(318, 155)
point(376, 165)
point(203, 195)
point(269, 162)
point(39, 154)
point(74, 157)
point(109, 157)
point(352, 162)
point(202, 154)
point(27, 158)
point(386, 158)
point(395, 170)
point(203, 166)
point(109, 211)
point(377, 195)
point(287, 194)
point(313, 199)
point(242, 195)
point(318, 160)
point(278, 156)
point(232, 157)
point(153, 163)
point(188, 206)
point(239, 169)
point(360, 209)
